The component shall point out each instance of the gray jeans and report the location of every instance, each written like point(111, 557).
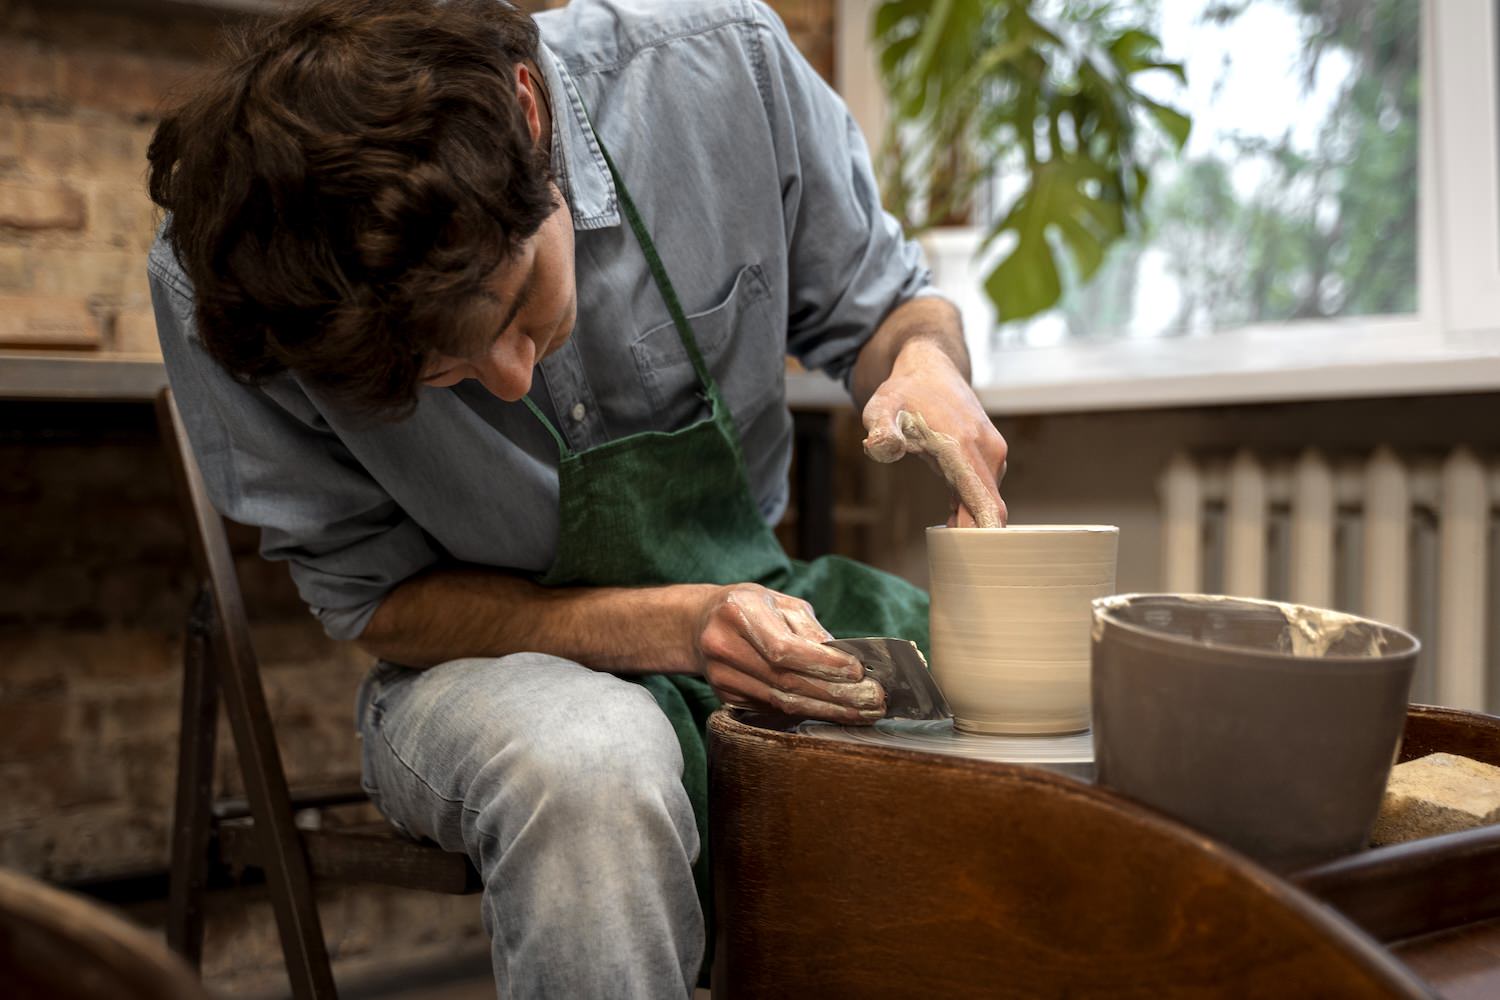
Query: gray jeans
point(563, 785)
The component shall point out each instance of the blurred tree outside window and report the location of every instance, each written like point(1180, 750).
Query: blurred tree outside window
point(1295, 197)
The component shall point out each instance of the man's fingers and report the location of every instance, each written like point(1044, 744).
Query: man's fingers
point(769, 647)
point(801, 620)
point(736, 651)
point(794, 693)
point(763, 623)
point(884, 441)
point(736, 687)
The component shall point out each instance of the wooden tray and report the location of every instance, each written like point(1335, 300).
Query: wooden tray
point(1435, 901)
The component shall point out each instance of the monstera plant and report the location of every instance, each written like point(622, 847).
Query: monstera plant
point(1047, 102)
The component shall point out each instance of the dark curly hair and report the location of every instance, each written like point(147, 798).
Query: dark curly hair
point(342, 189)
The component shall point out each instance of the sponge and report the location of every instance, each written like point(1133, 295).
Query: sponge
point(1437, 794)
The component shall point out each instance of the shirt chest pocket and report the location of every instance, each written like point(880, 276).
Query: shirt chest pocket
point(740, 340)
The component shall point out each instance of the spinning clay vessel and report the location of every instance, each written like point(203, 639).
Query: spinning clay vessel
point(1011, 611)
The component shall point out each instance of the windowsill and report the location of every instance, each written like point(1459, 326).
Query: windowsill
point(1072, 379)
point(1248, 366)
point(96, 376)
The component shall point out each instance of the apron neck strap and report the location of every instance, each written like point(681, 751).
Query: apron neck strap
point(663, 285)
point(562, 445)
point(659, 273)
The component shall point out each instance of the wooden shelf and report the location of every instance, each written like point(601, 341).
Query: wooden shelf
point(35, 375)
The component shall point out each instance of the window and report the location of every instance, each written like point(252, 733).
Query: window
point(1296, 196)
point(1333, 229)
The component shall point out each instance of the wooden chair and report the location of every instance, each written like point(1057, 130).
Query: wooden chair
point(219, 663)
point(55, 945)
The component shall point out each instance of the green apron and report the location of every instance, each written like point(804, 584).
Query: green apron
point(675, 507)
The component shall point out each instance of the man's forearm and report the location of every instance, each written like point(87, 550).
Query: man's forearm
point(929, 323)
point(448, 614)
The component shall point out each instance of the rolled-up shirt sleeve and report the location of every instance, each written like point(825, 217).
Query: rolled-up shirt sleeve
point(270, 461)
point(850, 264)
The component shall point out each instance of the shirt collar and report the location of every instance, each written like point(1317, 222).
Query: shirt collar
point(577, 159)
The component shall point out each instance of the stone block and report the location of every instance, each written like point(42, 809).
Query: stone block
point(11, 131)
point(81, 658)
point(112, 274)
point(151, 772)
point(135, 333)
point(141, 716)
point(15, 273)
point(140, 593)
point(61, 588)
point(52, 322)
point(72, 146)
point(55, 147)
point(125, 83)
point(140, 144)
point(30, 727)
point(121, 215)
point(29, 70)
point(89, 843)
point(41, 206)
point(367, 927)
point(1437, 794)
point(67, 779)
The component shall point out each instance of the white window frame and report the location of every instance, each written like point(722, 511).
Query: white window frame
point(1450, 344)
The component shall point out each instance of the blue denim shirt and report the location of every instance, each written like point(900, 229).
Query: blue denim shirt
point(757, 188)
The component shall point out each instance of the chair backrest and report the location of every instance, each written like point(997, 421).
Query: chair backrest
point(206, 538)
point(231, 666)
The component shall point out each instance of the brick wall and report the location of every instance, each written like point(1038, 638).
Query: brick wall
point(94, 579)
point(79, 91)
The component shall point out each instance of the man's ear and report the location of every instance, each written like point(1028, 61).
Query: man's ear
point(526, 93)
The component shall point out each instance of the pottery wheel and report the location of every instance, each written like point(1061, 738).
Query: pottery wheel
point(1071, 754)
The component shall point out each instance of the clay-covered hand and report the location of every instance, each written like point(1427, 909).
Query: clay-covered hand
point(927, 407)
point(758, 647)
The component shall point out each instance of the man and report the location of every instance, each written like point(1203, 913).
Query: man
point(488, 337)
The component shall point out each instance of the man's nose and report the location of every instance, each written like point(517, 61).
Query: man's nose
point(506, 370)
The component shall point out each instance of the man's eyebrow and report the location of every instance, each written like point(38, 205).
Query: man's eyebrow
point(518, 300)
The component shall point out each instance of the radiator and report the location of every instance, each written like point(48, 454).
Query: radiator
point(1407, 539)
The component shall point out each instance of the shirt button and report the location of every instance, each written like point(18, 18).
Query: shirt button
point(578, 412)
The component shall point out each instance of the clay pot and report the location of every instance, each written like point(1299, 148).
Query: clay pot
point(1010, 622)
point(1269, 726)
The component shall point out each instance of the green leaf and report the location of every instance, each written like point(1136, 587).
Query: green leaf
point(1131, 46)
point(891, 58)
point(1177, 69)
point(1085, 245)
point(997, 81)
point(1135, 51)
point(989, 61)
point(1058, 200)
point(890, 15)
point(922, 67)
point(1024, 283)
point(1176, 124)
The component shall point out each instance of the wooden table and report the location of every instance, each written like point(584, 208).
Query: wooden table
point(859, 871)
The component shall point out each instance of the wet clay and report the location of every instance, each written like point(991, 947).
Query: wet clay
point(1310, 632)
point(943, 449)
